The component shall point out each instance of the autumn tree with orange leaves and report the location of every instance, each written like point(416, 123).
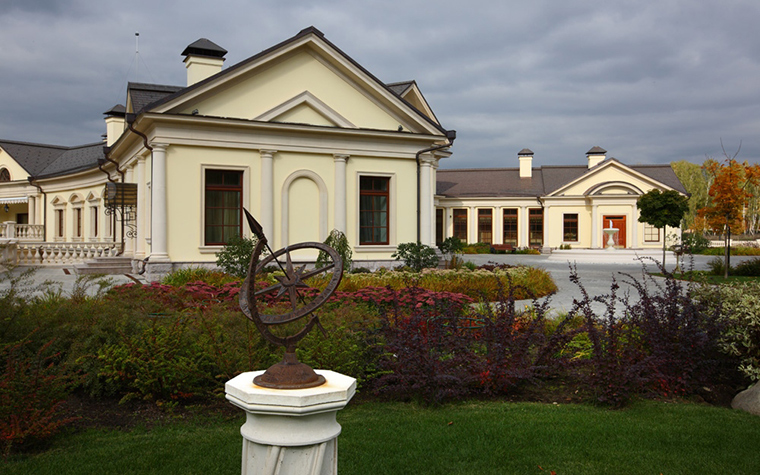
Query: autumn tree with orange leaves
point(729, 195)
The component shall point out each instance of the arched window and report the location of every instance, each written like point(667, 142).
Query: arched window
point(5, 175)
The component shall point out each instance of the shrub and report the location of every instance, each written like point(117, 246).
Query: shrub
point(416, 256)
point(750, 268)
point(716, 266)
point(235, 257)
point(694, 243)
point(739, 307)
point(181, 277)
point(338, 241)
point(477, 248)
point(666, 342)
point(451, 247)
point(33, 387)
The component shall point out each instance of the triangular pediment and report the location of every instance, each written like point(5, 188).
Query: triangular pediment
point(412, 94)
point(305, 108)
point(274, 80)
point(610, 178)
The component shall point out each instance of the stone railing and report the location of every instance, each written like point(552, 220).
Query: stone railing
point(22, 232)
point(58, 253)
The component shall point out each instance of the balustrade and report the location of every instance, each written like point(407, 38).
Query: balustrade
point(59, 253)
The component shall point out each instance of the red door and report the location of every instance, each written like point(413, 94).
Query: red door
point(619, 223)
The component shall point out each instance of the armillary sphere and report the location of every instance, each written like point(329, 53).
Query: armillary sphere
point(294, 297)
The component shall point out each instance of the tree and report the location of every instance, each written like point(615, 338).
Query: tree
point(697, 183)
point(660, 209)
point(729, 196)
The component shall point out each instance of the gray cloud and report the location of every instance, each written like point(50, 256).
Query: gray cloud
point(650, 81)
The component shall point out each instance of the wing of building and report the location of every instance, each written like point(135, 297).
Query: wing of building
point(551, 206)
point(300, 134)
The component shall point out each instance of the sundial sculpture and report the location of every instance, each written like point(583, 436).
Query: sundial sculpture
point(288, 373)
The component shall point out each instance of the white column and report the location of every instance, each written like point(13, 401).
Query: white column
point(129, 243)
point(340, 192)
point(635, 228)
point(594, 227)
point(141, 222)
point(426, 200)
point(266, 214)
point(290, 431)
point(32, 209)
point(523, 227)
point(472, 225)
point(159, 250)
point(498, 223)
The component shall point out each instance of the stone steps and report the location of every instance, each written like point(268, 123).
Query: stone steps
point(105, 265)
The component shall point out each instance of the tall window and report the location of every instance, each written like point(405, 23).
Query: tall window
point(485, 228)
point(373, 210)
point(438, 226)
point(224, 206)
point(460, 224)
point(5, 175)
point(570, 227)
point(94, 213)
point(536, 226)
point(78, 222)
point(651, 234)
point(510, 226)
point(59, 229)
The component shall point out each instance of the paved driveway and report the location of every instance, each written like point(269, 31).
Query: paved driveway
point(596, 270)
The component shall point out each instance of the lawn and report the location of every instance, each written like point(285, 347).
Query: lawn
point(464, 438)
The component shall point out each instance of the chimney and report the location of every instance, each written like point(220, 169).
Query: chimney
point(203, 59)
point(115, 123)
point(526, 162)
point(596, 156)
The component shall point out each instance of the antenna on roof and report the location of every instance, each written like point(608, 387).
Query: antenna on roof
point(137, 53)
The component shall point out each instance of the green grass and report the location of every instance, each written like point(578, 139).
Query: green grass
point(467, 438)
point(708, 278)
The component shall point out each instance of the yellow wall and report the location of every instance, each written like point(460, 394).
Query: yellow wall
point(17, 171)
point(268, 88)
point(608, 174)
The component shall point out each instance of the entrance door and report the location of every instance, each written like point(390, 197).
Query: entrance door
point(619, 223)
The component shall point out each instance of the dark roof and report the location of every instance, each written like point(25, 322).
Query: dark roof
point(525, 151)
point(33, 157)
point(399, 88)
point(663, 174)
point(75, 159)
point(178, 92)
point(596, 150)
point(506, 182)
point(488, 182)
point(118, 110)
point(145, 94)
point(204, 47)
point(41, 160)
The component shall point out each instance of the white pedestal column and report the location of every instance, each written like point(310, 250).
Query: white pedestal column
point(340, 192)
point(595, 227)
point(290, 432)
point(158, 242)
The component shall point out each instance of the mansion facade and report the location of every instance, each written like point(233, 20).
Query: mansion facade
point(308, 140)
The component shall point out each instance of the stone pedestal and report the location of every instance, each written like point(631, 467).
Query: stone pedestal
point(291, 431)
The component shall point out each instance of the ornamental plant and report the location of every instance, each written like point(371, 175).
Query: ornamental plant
point(416, 256)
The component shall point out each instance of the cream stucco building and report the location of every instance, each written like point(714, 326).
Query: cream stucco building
point(551, 206)
point(300, 134)
point(308, 140)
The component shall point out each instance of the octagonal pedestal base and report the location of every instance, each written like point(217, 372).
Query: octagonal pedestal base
point(290, 431)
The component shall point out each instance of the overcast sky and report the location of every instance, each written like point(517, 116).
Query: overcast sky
point(649, 81)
